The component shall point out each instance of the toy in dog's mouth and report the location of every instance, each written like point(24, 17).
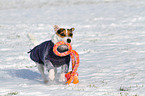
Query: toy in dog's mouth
point(62, 48)
point(73, 75)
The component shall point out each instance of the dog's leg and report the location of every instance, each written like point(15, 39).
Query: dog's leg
point(64, 70)
point(51, 70)
point(52, 74)
point(41, 70)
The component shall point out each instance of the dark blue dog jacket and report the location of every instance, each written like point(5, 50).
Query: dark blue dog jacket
point(43, 54)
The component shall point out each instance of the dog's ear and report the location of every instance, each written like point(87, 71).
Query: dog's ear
point(56, 28)
point(72, 29)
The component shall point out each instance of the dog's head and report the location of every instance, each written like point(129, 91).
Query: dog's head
point(63, 34)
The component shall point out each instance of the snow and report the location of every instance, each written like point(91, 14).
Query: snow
point(109, 37)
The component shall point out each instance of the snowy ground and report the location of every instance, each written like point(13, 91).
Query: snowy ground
point(109, 36)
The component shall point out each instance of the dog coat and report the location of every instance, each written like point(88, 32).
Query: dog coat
point(43, 54)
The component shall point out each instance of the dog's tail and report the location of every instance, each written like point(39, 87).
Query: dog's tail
point(33, 39)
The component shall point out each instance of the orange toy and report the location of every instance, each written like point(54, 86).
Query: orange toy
point(72, 75)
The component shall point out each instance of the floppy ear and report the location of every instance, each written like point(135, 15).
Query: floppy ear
point(56, 28)
point(72, 29)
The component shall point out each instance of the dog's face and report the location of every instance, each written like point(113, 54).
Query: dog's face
point(63, 34)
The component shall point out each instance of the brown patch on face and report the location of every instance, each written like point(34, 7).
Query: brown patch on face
point(61, 32)
point(69, 33)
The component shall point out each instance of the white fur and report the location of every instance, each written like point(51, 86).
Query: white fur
point(62, 77)
point(33, 39)
point(65, 39)
point(56, 38)
point(51, 74)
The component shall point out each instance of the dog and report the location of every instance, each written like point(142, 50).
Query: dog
point(45, 58)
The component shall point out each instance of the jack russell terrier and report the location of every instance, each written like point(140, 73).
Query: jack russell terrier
point(44, 56)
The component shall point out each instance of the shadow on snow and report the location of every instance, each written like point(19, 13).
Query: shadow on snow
point(24, 74)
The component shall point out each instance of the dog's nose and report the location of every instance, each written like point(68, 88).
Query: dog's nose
point(68, 40)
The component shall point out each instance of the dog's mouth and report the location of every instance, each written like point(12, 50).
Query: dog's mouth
point(62, 48)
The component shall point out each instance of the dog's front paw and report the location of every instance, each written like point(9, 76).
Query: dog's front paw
point(51, 74)
point(62, 77)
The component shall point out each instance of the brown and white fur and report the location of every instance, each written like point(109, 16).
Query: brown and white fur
point(61, 34)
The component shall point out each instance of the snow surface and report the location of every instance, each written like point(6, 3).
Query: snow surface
point(109, 36)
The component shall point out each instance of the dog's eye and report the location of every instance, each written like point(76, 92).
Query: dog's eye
point(71, 34)
point(62, 34)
